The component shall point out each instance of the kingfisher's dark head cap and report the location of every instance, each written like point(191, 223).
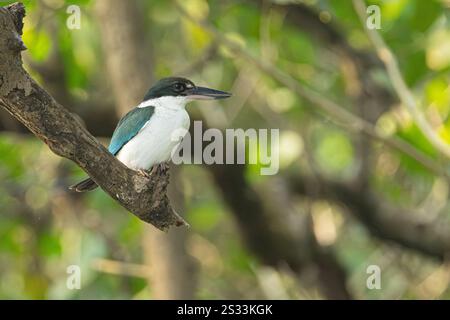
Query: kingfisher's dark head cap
point(177, 86)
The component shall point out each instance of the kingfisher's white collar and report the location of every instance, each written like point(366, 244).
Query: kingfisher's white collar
point(167, 102)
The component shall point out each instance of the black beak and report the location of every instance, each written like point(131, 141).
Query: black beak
point(202, 93)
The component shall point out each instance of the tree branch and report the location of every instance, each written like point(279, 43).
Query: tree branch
point(21, 96)
point(272, 235)
point(386, 222)
point(338, 114)
point(383, 221)
point(402, 90)
point(129, 56)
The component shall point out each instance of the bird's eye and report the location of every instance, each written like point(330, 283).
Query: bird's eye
point(179, 87)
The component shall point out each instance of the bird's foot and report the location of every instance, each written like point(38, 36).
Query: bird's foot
point(145, 173)
point(160, 168)
point(164, 167)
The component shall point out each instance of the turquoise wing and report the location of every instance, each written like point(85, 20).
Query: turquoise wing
point(129, 126)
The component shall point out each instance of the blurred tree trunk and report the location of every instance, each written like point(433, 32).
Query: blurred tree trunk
point(174, 270)
point(130, 71)
point(127, 57)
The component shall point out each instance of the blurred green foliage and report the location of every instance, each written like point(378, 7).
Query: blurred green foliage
point(44, 229)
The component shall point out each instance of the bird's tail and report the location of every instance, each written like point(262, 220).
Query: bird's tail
point(83, 186)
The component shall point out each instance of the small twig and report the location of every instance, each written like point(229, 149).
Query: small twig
point(402, 90)
point(121, 268)
point(207, 56)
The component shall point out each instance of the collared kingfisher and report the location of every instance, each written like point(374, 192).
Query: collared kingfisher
point(143, 137)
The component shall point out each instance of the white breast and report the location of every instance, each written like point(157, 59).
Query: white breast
point(154, 143)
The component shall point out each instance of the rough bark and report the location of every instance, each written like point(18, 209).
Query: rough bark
point(21, 96)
